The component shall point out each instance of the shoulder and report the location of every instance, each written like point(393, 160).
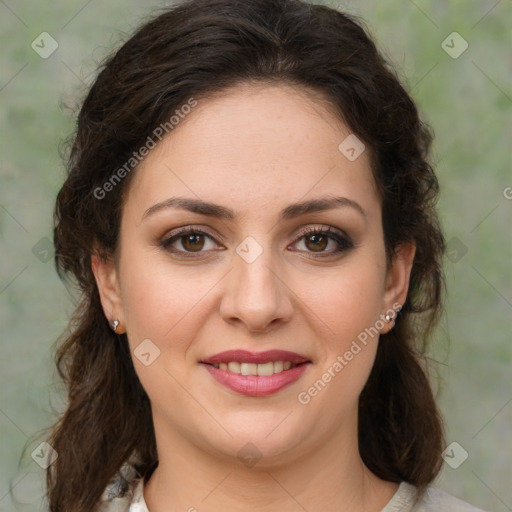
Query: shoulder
point(432, 500)
point(130, 499)
point(436, 499)
point(124, 492)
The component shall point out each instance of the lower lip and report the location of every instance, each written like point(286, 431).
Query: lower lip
point(257, 385)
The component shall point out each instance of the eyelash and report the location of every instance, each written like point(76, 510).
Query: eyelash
point(343, 241)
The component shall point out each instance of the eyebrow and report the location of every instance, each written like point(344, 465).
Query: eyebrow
point(224, 213)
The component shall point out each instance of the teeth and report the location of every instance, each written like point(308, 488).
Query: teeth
point(265, 368)
point(234, 367)
point(248, 369)
point(255, 369)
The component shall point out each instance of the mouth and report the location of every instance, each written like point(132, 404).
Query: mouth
point(256, 374)
point(263, 369)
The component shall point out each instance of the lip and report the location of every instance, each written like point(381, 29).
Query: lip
point(244, 356)
point(257, 385)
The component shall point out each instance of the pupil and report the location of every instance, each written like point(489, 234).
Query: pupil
point(317, 243)
point(191, 242)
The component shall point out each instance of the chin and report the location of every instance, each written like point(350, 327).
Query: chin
point(255, 440)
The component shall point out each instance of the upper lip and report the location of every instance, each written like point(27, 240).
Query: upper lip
point(244, 356)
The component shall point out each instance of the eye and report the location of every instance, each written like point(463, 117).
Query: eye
point(316, 240)
point(191, 241)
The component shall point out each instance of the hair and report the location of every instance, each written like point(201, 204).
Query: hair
point(192, 50)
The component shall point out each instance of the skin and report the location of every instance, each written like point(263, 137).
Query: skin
point(254, 148)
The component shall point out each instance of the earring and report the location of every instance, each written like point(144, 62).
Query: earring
point(388, 318)
point(115, 324)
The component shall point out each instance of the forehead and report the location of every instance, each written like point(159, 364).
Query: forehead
point(255, 147)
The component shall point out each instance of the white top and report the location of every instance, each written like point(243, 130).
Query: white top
point(433, 500)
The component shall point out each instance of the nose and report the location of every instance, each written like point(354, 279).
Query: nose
point(256, 294)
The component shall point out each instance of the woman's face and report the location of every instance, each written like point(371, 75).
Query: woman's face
point(261, 166)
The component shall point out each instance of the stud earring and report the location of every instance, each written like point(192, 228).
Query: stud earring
point(115, 324)
point(388, 317)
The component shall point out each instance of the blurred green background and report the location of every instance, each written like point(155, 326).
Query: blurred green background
point(466, 98)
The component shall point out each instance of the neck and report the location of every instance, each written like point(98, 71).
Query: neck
point(329, 477)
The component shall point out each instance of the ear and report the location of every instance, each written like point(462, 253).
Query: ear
point(106, 276)
point(397, 281)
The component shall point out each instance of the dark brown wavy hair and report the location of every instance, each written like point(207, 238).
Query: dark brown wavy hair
point(193, 49)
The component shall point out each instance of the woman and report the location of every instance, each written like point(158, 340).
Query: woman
point(250, 214)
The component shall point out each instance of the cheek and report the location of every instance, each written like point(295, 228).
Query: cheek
point(162, 302)
point(345, 363)
point(156, 297)
point(347, 301)
point(346, 307)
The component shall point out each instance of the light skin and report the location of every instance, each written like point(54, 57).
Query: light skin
point(254, 149)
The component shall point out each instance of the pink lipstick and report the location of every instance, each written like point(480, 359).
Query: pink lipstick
point(256, 374)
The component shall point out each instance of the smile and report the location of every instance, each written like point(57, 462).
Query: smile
point(269, 368)
point(256, 374)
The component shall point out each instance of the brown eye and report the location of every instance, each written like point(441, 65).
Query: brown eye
point(189, 241)
point(316, 242)
point(192, 242)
